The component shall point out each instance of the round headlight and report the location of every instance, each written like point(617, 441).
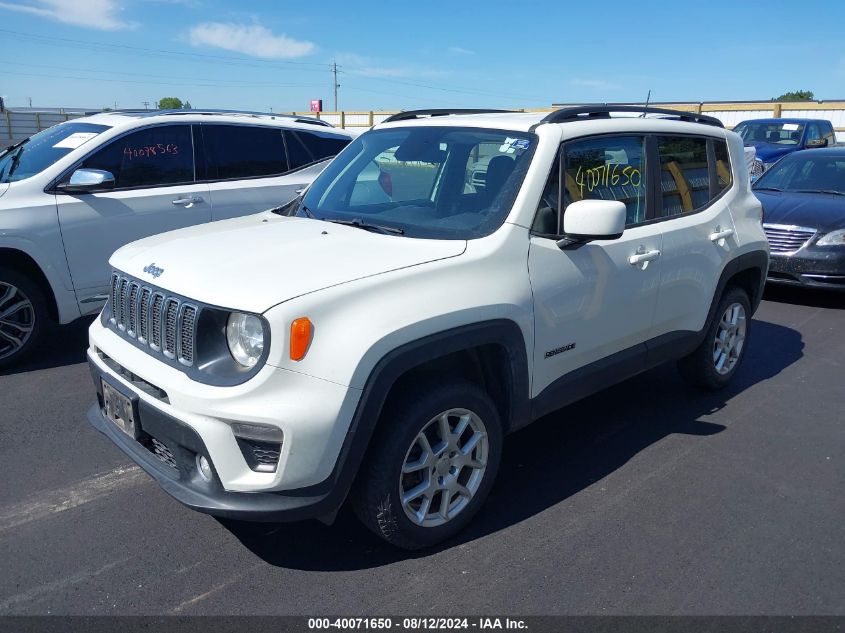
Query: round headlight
point(245, 335)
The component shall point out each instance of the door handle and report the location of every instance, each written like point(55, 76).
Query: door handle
point(188, 201)
point(719, 235)
point(643, 257)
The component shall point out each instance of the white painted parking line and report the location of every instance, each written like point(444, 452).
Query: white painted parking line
point(48, 503)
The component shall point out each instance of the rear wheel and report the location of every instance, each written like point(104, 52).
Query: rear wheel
point(716, 360)
point(431, 466)
point(23, 316)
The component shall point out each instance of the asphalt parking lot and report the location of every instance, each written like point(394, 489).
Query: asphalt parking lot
point(651, 498)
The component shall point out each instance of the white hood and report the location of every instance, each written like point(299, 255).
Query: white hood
point(255, 262)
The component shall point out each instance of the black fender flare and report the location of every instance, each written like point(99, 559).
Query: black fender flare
point(394, 364)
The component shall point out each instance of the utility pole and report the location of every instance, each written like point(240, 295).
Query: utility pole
point(335, 84)
point(30, 100)
point(146, 105)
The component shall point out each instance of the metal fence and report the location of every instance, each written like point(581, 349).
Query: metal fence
point(16, 125)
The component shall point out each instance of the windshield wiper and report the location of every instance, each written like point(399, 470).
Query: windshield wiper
point(766, 189)
point(360, 224)
point(830, 191)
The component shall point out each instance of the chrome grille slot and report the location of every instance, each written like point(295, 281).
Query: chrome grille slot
point(155, 321)
point(132, 325)
point(143, 314)
point(158, 321)
point(787, 239)
point(115, 283)
point(121, 313)
point(171, 312)
point(187, 321)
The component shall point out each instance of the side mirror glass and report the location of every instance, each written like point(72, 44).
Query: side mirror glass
point(587, 220)
point(817, 142)
point(83, 180)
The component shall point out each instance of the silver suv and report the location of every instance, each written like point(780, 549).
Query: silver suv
point(74, 193)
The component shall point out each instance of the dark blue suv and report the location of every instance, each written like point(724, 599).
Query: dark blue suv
point(775, 138)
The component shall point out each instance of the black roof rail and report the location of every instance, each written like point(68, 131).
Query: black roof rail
point(580, 113)
point(416, 114)
point(276, 115)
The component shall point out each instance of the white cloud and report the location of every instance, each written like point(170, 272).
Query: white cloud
point(460, 51)
point(368, 67)
point(94, 14)
point(254, 40)
point(596, 84)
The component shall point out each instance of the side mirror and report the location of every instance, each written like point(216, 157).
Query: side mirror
point(83, 180)
point(817, 142)
point(587, 220)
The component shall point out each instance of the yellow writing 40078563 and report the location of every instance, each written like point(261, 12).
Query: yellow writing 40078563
point(613, 175)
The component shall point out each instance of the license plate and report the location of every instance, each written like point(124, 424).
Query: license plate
point(118, 409)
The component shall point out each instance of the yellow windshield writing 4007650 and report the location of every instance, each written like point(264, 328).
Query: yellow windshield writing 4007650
point(608, 175)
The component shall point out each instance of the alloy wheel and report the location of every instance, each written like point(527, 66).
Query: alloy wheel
point(730, 338)
point(444, 467)
point(17, 319)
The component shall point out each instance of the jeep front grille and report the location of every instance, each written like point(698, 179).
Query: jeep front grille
point(164, 323)
point(787, 239)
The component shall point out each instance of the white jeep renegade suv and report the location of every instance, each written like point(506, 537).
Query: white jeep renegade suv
point(73, 193)
point(449, 278)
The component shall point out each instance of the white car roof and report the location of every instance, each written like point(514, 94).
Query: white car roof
point(132, 118)
point(527, 121)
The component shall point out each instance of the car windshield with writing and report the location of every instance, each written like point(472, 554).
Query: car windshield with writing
point(430, 182)
point(806, 172)
point(770, 132)
point(41, 150)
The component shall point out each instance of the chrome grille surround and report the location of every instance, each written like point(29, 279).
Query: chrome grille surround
point(785, 239)
point(160, 322)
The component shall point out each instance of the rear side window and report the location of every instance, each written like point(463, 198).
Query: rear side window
point(243, 151)
point(607, 168)
point(305, 148)
point(724, 173)
point(684, 174)
point(155, 156)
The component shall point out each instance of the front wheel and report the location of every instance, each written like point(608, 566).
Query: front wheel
point(716, 360)
point(23, 316)
point(431, 466)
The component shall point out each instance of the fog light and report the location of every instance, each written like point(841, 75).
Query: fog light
point(204, 468)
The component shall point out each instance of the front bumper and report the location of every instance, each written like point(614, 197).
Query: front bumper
point(183, 481)
point(822, 267)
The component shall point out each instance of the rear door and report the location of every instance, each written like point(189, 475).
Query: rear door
point(155, 191)
point(698, 230)
point(252, 168)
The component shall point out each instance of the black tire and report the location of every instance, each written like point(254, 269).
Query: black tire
point(376, 495)
point(699, 368)
point(38, 319)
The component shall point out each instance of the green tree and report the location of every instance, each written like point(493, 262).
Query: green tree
point(170, 103)
point(187, 105)
point(796, 95)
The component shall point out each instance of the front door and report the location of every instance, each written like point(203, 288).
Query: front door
point(154, 192)
point(591, 301)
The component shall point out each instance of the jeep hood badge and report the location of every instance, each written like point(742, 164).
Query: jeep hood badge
point(153, 270)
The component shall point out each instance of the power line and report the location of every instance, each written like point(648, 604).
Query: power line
point(161, 83)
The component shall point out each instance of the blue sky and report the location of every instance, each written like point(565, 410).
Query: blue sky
point(261, 55)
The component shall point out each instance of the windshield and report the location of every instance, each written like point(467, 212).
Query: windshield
point(799, 172)
point(41, 150)
point(770, 132)
point(433, 182)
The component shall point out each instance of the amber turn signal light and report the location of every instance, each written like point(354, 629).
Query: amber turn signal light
point(300, 337)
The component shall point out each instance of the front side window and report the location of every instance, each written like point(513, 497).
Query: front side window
point(607, 168)
point(42, 150)
point(154, 156)
point(437, 182)
point(684, 174)
point(243, 151)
